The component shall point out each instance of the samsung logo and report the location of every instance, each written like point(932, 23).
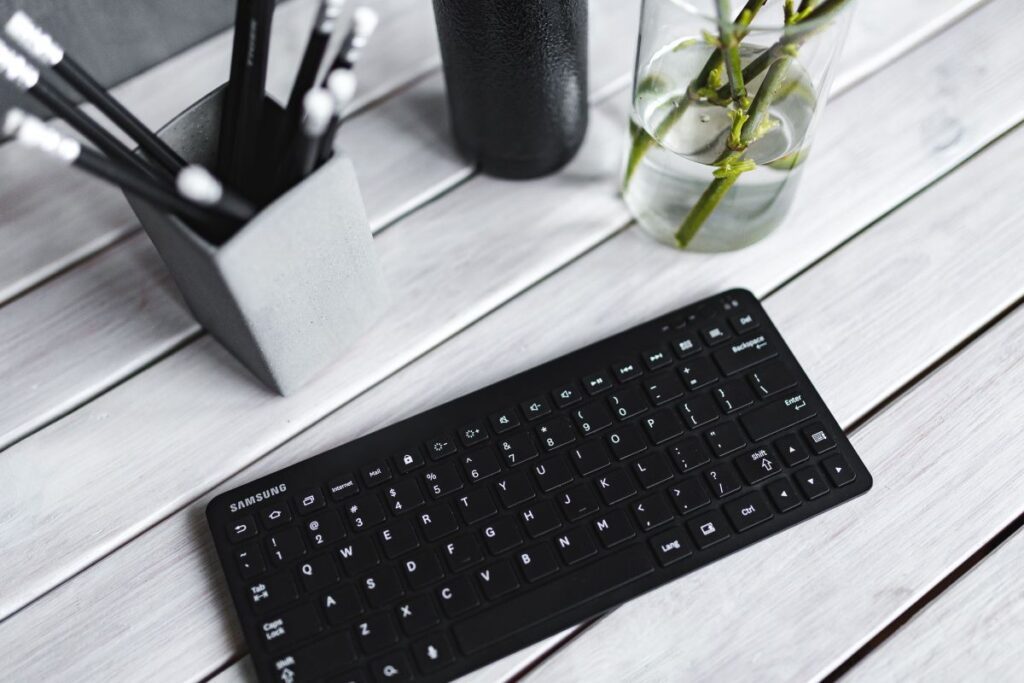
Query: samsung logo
point(258, 497)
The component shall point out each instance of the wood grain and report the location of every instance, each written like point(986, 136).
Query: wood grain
point(971, 631)
point(534, 326)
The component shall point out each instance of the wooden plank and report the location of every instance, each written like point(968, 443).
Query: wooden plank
point(181, 603)
point(46, 230)
point(972, 631)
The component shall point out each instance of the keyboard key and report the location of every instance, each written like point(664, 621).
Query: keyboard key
point(698, 411)
point(628, 402)
point(556, 433)
point(438, 522)
point(652, 512)
point(422, 569)
point(744, 354)
point(497, 580)
point(540, 518)
point(398, 538)
point(365, 512)
point(376, 633)
point(708, 528)
point(656, 358)
point(404, 496)
point(323, 657)
point(514, 489)
point(382, 586)
point(440, 447)
point(309, 501)
point(811, 483)
point(783, 495)
point(566, 396)
point(318, 572)
point(686, 346)
point(529, 609)
point(734, 395)
point(715, 334)
point(743, 323)
point(417, 614)
point(535, 408)
point(818, 438)
point(614, 528)
point(671, 546)
point(689, 495)
point(839, 471)
point(250, 561)
point(663, 426)
point(725, 438)
point(592, 418)
point(392, 667)
point(777, 416)
point(457, 596)
point(433, 653)
point(698, 373)
point(616, 486)
point(689, 453)
point(596, 383)
point(652, 470)
point(537, 562)
point(626, 370)
point(377, 474)
point(473, 433)
point(275, 516)
point(723, 480)
point(504, 420)
point(476, 506)
point(591, 456)
point(342, 488)
point(272, 593)
point(576, 545)
point(626, 441)
point(770, 379)
point(578, 502)
point(517, 449)
point(291, 626)
point(663, 388)
point(358, 555)
point(480, 464)
point(502, 535)
point(553, 473)
point(748, 511)
point(242, 528)
point(407, 461)
point(792, 449)
point(442, 479)
point(758, 465)
point(285, 545)
point(341, 604)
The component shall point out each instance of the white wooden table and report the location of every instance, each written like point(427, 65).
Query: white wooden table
point(896, 280)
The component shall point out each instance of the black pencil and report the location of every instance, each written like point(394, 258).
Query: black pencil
point(41, 46)
point(364, 23)
point(27, 78)
point(304, 149)
point(34, 133)
point(341, 83)
point(312, 60)
point(244, 98)
point(198, 185)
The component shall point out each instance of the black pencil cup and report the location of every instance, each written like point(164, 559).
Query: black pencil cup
point(516, 74)
point(292, 287)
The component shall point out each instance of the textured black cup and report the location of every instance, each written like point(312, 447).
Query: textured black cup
point(516, 73)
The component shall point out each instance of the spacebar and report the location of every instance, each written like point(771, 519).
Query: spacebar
point(505, 620)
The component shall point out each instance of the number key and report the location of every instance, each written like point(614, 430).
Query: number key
point(442, 479)
point(286, 545)
point(592, 418)
point(325, 527)
point(556, 433)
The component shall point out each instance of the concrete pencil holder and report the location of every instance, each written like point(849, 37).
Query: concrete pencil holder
point(296, 284)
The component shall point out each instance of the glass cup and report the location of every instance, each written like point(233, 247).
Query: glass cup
point(726, 95)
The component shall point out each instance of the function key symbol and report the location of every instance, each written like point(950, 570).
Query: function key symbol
point(707, 528)
point(308, 500)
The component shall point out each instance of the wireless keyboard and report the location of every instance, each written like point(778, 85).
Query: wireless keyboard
point(448, 540)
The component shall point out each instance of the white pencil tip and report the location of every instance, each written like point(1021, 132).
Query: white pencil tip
point(342, 84)
point(198, 185)
point(34, 40)
point(12, 121)
point(317, 109)
point(33, 132)
point(365, 21)
point(16, 68)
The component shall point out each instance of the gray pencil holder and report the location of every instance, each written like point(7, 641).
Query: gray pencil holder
point(295, 285)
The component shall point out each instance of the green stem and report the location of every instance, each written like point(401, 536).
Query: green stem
point(730, 50)
point(718, 188)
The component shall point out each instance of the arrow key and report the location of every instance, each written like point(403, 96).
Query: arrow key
point(839, 471)
point(783, 495)
point(811, 483)
point(793, 450)
point(433, 653)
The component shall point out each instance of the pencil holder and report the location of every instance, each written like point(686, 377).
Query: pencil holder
point(289, 291)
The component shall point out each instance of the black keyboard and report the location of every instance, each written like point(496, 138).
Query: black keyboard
point(448, 540)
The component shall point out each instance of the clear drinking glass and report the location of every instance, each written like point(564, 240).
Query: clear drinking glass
point(726, 95)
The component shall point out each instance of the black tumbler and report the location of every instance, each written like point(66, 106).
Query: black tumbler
point(516, 73)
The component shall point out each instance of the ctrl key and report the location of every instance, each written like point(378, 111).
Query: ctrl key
point(295, 624)
point(671, 546)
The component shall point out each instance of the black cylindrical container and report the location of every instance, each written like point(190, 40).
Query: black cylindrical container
point(516, 72)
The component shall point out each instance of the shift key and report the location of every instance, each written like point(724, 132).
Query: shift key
point(777, 416)
point(744, 354)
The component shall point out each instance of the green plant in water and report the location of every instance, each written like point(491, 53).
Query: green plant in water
point(748, 115)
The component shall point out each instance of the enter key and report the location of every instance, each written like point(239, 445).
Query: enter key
point(778, 415)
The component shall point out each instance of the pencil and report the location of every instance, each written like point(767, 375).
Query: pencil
point(42, 47)
point(364, 23)
point(304, 148)
point(27, 78)
point(244, 98)
point(312, 59)
point(198, 185)
point(342, 86)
